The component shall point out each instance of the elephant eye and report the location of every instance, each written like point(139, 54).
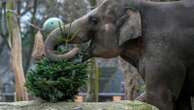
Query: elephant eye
point(93, 20)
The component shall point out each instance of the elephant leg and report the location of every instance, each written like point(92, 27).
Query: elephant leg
point(183, 103)
point(164, 81)
point(163, 99)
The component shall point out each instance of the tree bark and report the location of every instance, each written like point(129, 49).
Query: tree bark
point(38, 49)
point(16, 54)
point(93, 82)
point(93, 76)
point(27, 62)
point(21, 92)
point(131, 79)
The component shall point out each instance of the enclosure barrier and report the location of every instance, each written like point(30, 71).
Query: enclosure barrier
point(38, 105)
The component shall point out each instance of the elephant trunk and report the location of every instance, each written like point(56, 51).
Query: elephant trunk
point(54, 39)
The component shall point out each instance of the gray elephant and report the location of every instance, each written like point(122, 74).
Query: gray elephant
point(162, 48)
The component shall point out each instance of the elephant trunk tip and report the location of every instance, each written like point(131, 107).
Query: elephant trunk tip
point(54, 39)
point(85, 58)
point(54, 56)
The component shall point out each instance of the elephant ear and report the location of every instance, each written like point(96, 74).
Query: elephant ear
point(131, 27)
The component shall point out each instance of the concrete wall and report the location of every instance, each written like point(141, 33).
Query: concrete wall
point(37, 105)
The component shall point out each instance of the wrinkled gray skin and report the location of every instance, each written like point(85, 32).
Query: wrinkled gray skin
point(163, 54)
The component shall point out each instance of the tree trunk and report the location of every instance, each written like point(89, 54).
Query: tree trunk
point(93, 76)
point(38, 49)
point(93, 82)
point(131, 78)
point(27, 62)
point(21, 93)
point(16, 52)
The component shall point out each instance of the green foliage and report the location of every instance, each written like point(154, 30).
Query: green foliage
point(56, 81)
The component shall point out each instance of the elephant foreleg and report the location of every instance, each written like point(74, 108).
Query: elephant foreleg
point(164, 80)
point(163, 99)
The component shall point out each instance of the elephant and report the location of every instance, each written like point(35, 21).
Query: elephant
point(160, 46)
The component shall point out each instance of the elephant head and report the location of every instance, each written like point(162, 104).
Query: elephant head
point(107, 27)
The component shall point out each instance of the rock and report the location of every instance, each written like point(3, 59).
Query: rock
point(37, 105)
point(77, 108)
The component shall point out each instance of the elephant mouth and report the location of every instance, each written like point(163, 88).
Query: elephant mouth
point(85, 57)
point(99, 52)
point(86, 53)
